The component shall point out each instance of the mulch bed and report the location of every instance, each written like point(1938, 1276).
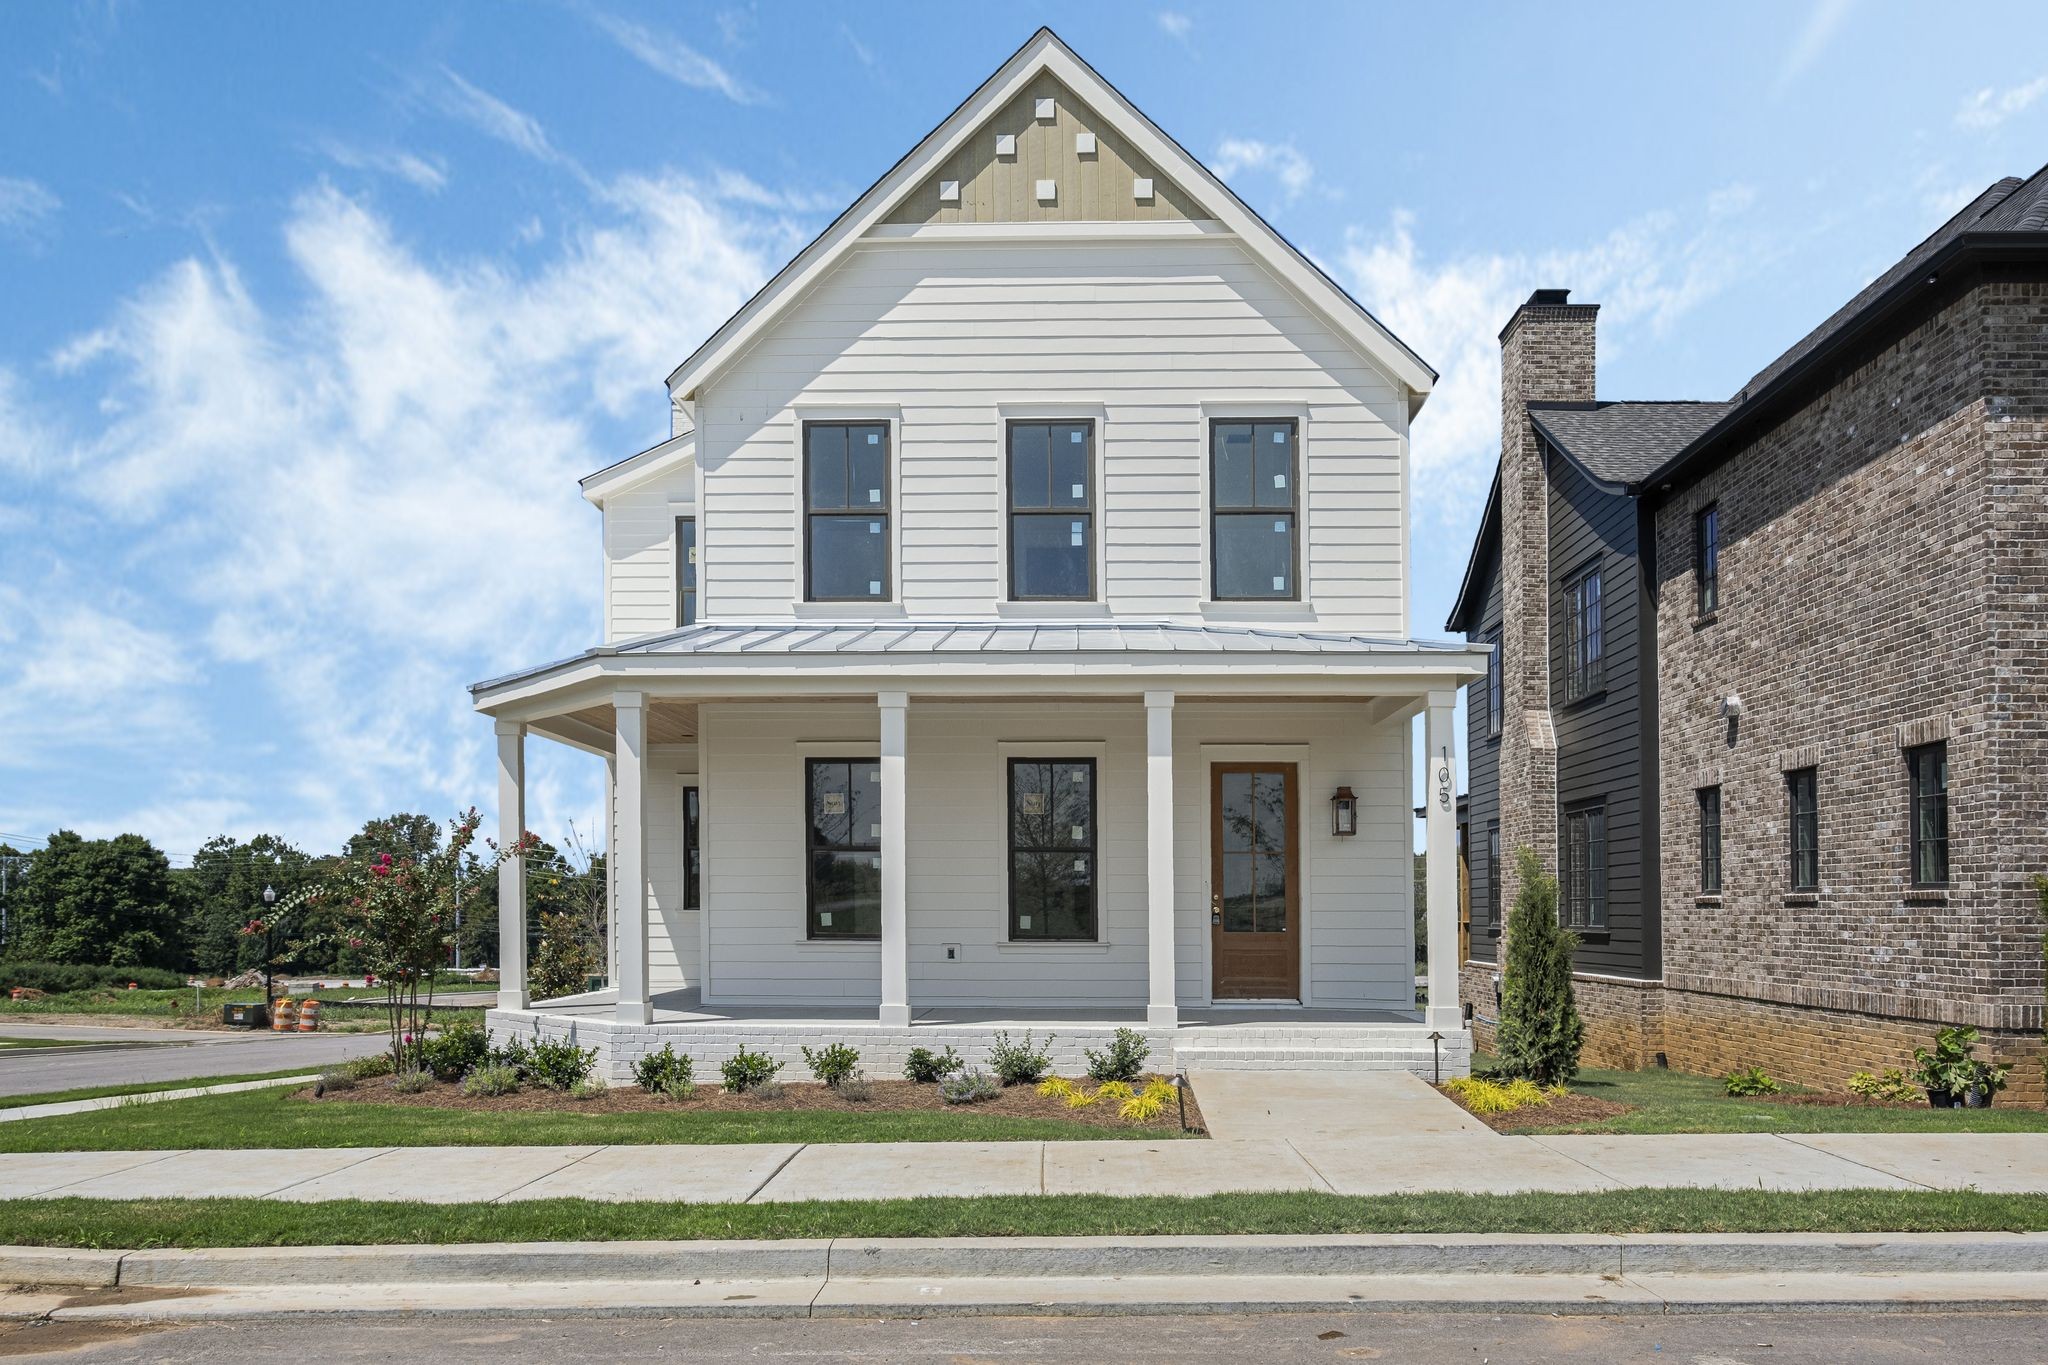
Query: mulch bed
point(1564, 1111)
point(1017, 1101)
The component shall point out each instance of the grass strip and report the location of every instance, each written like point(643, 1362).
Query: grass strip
point(270, 1118)
point(100, 1092)
point(143, 1224)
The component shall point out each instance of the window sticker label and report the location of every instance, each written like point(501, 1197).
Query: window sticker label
point(874, 774)
point(1023, 921)
point(1074, 532)
point(1078, 492)
point(834, 803)
point(1279, 583)
point(1279, 436)
point(874, 587)
point(1080, 864)
point(874, 495)
point(1033, 803)
point(1280, 528)
point(874, 438)
point(693, 554)
point(874, 528)
point(1080, 834)
point(874, 831)
point(1077, 776)
point(824, 918)
point(1073, 438)
point(1279, 481)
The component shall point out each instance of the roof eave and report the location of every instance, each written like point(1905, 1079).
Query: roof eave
point(1463, 609)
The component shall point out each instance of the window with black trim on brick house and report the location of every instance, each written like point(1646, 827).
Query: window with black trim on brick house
point(1585, 642)
point(1710, 840)
point(1706, 559)
point(1928, 766)
point(1584, 904)
point(1802, 802)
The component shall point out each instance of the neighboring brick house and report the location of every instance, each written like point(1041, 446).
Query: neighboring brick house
point(1773, 681)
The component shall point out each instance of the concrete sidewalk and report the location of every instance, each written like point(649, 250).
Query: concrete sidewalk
point(761, 1173)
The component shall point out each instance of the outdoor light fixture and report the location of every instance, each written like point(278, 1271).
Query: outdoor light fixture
point(1731, 706)
point(1344, 812)
point(269, 895)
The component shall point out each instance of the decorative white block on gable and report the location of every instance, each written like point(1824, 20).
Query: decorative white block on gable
point(1045, 110)
point(1006, 144)
point(1141, 187)
point(1084, 144)
point(949, 191)
point(1047, 189)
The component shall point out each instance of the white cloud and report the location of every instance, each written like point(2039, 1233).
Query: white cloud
point(25, 204)
point(1280, 159)
point(1174, 24)
point(1990, 107)
point(415, 170)
point(676, 59)
point(491, 116)
point(1823, 22)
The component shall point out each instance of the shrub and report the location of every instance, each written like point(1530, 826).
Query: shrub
point(969, 1087)
point(367, 1068)
point(832, 1064)
point(658, 1072)
point(744, 1071)
point(1483, 1096)
point(927, 1067)
point(678, 1089)
point(1147, 1104)
point(451, 1053)
point(333, 1081)
point(1891, 1087)
point(513, 1053)
point(1058, 1086)
point(1079, 1098)
point(589, 1088)
point(1123, 1060)
point(411, 1081)
point(1540, 1030)
point(855, 1088)
point(558, 1064)
point(1950, 1069)
point(490, 1078)
point(1114, 1090)
point(769, 1091)
point(1750, 1080)
point(563, 962)
point(1019, 1063)
point(63, 978)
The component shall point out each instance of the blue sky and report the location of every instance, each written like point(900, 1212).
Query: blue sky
point(310, 316)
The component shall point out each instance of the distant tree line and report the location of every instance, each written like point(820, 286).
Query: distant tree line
point(119, 902)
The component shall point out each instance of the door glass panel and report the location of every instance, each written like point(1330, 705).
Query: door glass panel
point(1270, 893)
point(1269, 794)
point(1239, 908)
point(1237, 816)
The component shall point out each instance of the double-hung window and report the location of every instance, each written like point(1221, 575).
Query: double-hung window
point(693, 858)
point(1052, 511)
point(1585, 645)
point(686, 571)
point(1706, 559)
point(843, 809)
point(1493, 877)
point(846, 511)
point(1710, 840)
point(1052, 848)
point(1802, 801)
point(1928, 765)
point(1493, 684)
point(1254, 512)
point(1585, 868)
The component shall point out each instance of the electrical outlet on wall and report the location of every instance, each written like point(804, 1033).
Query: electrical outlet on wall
point(952, 951)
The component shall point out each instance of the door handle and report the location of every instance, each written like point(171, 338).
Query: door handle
point(1216, 907)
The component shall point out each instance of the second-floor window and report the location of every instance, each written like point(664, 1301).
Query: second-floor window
point(1706, 559)
point(1928, 765)
point(1052, 511)
point(1802, 801)
point(1710, 840)
point(1585, 645)
point(1254, 512)
point(1493, 684)
point(1493, 871)
point(686, 571)
point(846, 511)
point(1585, 868)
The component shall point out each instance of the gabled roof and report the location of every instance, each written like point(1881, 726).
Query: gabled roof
point(1471, 599)
point(1046, 52)
point(656, 459)
point(1617, 445)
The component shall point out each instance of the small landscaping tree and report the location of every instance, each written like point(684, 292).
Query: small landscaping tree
point(1540, 1030)
point(563, 962)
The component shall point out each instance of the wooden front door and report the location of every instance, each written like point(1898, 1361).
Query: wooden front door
point(1254, 881)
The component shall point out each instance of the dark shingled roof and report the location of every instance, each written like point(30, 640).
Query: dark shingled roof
point(1619, 444)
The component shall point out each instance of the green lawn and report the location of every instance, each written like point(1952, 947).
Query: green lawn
point(11, 1044)
point(138, 1224)
point(1676, 1102)
point(267, 1118)
point(96, 1092)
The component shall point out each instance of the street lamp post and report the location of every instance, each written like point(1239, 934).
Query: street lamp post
point(269, 931)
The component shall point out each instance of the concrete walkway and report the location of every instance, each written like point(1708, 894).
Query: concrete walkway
point(758, 1173)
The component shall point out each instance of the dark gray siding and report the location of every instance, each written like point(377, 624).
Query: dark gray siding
point(1600, 739)
point(1482, 770)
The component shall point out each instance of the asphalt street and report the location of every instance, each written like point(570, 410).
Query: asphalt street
point(1428, 1339)
point(164, 1055)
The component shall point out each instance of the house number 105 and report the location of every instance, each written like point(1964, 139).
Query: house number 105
point(1443, 780)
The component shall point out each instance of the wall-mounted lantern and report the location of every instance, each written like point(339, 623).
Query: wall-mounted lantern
point(1343, 812)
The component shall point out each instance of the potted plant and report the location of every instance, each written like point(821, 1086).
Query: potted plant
point(1952, 1077)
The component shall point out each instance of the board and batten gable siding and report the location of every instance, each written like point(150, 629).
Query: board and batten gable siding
point(948, 336)
point(1599, 741)
point(1359, 922)
point(1482, 771)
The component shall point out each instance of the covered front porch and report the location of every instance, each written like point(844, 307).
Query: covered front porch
point(844, 833)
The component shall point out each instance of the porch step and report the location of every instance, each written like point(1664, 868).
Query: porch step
point(1305, 1057)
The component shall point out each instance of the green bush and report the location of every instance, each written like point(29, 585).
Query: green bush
point(1019, 1063)
point(333, 1081)
point(1540, 1031)
point(1748, 1081)
point(365, 1068)
point(1891, 1087)
point(412, 1081)
point(458, 1047)
point(855, 1089)
point(926, 1067)
point(969, 1087)
point(659, 1073)
point(1951, 1069)
point(744, 1071)
point(62, 978)
point(558, 1064)
point(491, 1078)
point(1123, 1060)
point(513, 1053)
point(832, 1064)
point(563, 960)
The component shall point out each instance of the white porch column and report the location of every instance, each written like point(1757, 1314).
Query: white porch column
point(895, 861)
point(629, 758)
point(512, 870)
point(1160, 1011)
point(1440, 842)
point(611, 867)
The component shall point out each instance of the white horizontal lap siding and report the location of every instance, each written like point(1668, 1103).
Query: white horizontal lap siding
point(639, 547)
point(671, 930)
point(1144, 333)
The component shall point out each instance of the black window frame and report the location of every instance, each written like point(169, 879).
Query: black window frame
point(1293, 511)
point(686, 572)
point(1088, 512)
point(693, 847)
point(1709, 799)
point(1495, 685)
point(869, 513)
point(1585, 636)
point(1089, 850)
point(1706, 560)
point(1802, 814)
point(1493, 878)
point(1927, 776)
point(811, 848)
point(1587, 914)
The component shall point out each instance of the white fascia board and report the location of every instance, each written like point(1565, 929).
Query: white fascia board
point(1045, 52)
point(1153, 229)
point(637, 469)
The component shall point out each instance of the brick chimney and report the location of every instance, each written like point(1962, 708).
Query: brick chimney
point(1546, 356)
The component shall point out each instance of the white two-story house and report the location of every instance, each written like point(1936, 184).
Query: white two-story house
point(1014, 632)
